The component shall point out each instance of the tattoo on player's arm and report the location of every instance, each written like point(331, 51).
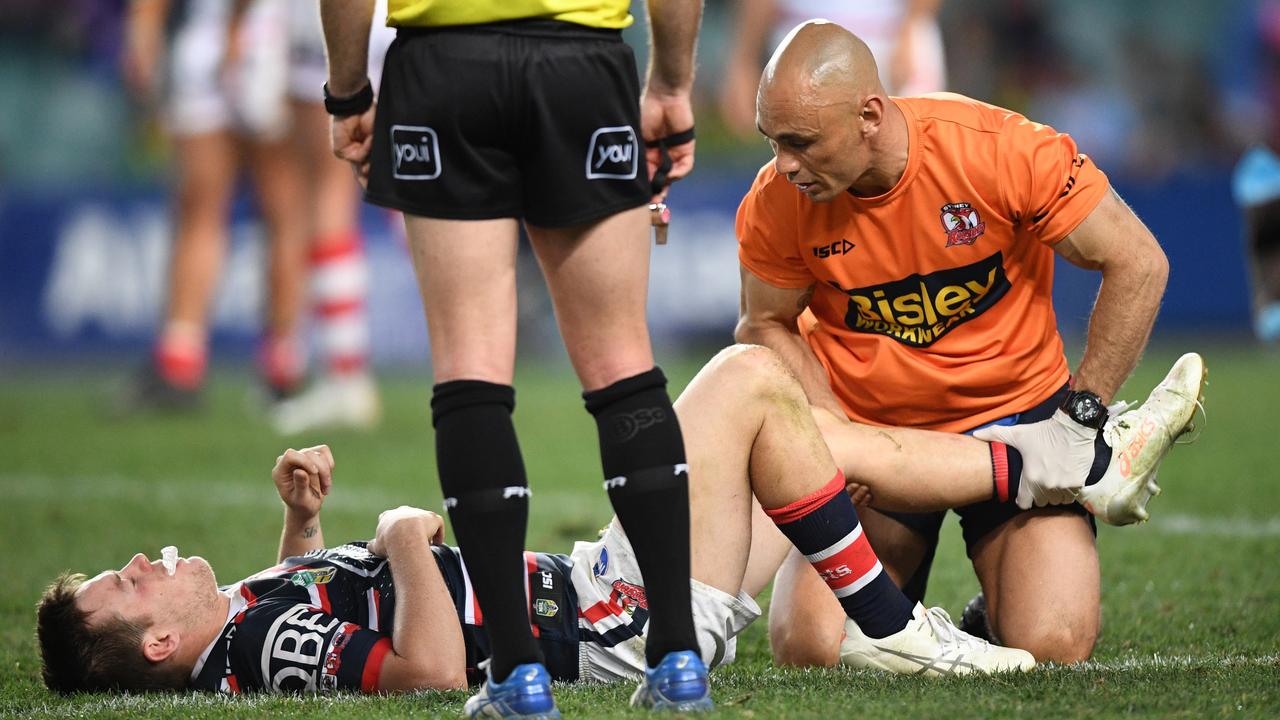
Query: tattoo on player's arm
point(805, 299)
point(310, 531)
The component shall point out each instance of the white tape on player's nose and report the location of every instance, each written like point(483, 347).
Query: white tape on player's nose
point(169, 558)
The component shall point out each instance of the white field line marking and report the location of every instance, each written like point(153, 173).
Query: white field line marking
point(1238, 527)
point(1172, 662)
point(347, 497)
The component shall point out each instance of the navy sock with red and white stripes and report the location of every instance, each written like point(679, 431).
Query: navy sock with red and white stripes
point(824, 527)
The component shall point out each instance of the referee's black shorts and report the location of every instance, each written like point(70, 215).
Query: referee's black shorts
point(537, 120)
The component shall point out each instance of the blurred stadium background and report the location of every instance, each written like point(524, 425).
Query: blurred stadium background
point(1164, 94)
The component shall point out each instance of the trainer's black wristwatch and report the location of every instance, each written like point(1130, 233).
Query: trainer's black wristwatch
point(1085, 408)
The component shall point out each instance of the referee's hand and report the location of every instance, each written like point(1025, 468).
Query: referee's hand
point(351, 139)
point(662, 115)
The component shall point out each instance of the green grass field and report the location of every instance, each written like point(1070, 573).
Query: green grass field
point(1191, 601)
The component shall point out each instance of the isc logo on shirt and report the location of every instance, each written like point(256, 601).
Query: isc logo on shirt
point(613, 153)
point(415, 153)
point(919, 309)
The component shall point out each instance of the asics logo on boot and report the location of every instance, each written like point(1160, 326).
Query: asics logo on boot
point(1145, 431)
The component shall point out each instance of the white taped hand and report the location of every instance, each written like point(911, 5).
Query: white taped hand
point(1056, 456)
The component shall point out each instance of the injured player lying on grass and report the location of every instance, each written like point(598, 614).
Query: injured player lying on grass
point(397, 613)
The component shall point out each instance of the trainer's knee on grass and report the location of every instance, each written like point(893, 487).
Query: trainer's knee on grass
point(1054, 640)
point(795, 645)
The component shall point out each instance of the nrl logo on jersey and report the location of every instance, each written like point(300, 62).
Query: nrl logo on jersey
point(320, 576)
point(919, 309)
point(962, 223)
point(545, 608)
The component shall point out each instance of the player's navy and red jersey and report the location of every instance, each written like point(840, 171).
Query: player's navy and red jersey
point(323, 621)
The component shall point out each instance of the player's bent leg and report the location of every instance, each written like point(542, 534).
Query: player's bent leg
point(806, 622)
point(1140, 439)
point(720, 416)
point(1039, 573)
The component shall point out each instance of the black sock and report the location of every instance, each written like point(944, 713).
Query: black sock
point(487, 497)
point(642, 452)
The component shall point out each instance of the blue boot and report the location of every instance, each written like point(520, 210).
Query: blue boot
point(679, 683)
point(526, 693)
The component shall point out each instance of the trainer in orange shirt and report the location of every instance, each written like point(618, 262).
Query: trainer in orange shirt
point(898, 253)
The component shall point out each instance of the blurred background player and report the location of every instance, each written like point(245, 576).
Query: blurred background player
point(343, 393)
point(902, 34)
point(1256, 183)
point(1257, 190)
point(223, 74)
point(239, 91)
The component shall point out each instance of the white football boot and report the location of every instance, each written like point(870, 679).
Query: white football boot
point(1140, 439)
point(931, 645)
point(331, 402)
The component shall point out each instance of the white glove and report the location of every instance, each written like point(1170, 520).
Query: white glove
point(1056, 456)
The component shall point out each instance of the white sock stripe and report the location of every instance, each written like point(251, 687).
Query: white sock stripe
point(348, 335)
point(861, 582)
point(839, 546)
point(340, 282)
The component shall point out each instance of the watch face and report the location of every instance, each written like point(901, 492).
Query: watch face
point(1085, 409)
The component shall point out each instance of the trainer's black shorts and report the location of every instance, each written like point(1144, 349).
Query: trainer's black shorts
point(979, 519)
point(537, 120)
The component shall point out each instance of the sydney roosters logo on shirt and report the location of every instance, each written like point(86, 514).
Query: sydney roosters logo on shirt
point(962, 223)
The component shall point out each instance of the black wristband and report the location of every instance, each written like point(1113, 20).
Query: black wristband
point(659, 180)
point(351, 104)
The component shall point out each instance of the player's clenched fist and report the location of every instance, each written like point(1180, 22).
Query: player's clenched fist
point(406, 522)
point(303, 478)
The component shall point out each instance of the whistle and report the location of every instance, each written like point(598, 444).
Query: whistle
point(660, 219)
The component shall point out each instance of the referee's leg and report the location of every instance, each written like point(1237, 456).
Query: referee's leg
point(467, 276)
point(598, 275)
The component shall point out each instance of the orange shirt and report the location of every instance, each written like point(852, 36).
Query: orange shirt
point(933, 305)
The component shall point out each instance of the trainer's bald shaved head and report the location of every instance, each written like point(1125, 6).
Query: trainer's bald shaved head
point(828, 120)
point(822, 63)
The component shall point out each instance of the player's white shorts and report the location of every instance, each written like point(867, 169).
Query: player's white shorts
point(281, 58)
point(607, 581)
point(204, 96)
